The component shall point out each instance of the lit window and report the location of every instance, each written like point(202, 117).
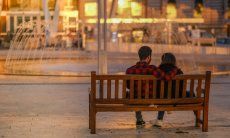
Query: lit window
point(123, 5)
point(136, 9)
point(171, 9)
point(198, 8)
point(91, 9)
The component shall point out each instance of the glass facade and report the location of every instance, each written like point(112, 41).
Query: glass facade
point(3, 24)
point(15, 12)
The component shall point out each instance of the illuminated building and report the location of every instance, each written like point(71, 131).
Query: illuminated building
point(15, 12)
point(215, 12)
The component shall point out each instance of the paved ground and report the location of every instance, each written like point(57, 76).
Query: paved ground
point(58, 107)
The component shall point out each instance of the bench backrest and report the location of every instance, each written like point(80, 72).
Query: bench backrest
point(112, 89)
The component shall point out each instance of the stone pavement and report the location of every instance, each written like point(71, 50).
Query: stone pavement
point(57, 107)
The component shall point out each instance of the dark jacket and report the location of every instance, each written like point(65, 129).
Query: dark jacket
point(142, 68)
point(167, 68)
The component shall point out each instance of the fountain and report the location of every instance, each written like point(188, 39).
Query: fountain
point(36, 45)
point(30, 46)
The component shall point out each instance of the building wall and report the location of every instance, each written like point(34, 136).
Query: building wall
point(214, 14)
point(16, 12)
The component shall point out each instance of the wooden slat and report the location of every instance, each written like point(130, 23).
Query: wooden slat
point(150, 101)
point(190, 77)
point(131, 89)
point(147, 108)
point(116, 88)
point(109, 89)
point(154, 88)
point(184, 88)
point(124, 89)
point(101, 89)
point(162, 89)
point(177, 89)
point(191, 88)
point(125, 77)
point(144, 77)
point(139, 89)
point(199, 88)
point(146, 89)
point(169, 89)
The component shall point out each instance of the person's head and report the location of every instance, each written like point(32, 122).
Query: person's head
point(168, 58)
point(145, 53)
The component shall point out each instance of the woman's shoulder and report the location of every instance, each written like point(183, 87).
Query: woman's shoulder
point(168, 68)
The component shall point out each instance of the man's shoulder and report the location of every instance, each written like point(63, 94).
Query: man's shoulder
point(130, 69)
point(135, 69)
point(152, 66)
point(148, 66)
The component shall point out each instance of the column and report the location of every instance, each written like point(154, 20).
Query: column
point(102, 47)
point(7, 23)
point(1, 5)
point(15, 23)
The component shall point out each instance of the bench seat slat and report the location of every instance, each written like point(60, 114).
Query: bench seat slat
point(117, 108)
point(150, 101)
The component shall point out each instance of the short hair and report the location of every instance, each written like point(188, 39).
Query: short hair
point(168, 58)
point(144, 52)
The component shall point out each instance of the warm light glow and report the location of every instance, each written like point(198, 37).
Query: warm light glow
point(123, 4)
point(146, 20)
point(171, 11)
point(70, 13)
point(91, 9)
point(198, 11)
point(138, 35)
point(136, 9)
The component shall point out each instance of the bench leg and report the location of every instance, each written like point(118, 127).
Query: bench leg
point(197, 114)
point(205, 120)
point(89, 117)
point(89, 113)
point(93, 122)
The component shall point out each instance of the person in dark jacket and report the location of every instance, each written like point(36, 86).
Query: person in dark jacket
point(168, 64)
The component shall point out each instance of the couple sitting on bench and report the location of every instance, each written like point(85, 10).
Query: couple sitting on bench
point(165, 71)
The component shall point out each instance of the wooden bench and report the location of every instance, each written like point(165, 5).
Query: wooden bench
point(108, 94)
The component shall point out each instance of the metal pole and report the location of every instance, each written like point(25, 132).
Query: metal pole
point(104, 64)
point(98, 31)
point(1, 5)
point(47, 19)
point(105, 25)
